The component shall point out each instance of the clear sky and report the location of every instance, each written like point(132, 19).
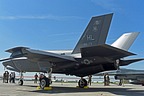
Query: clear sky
point(58, 24)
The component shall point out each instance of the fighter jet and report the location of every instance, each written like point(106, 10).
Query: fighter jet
point(136, 76)
point(90, 56)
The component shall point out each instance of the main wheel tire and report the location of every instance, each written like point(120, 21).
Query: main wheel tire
point(82, 83)
point(45, 82)
point(20, 82)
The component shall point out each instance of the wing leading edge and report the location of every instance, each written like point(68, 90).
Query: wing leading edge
point(38, 55)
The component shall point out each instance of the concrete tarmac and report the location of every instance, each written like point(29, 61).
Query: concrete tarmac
point(69, 89)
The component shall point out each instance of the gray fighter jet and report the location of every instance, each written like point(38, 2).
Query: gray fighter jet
point(90, 56)
point(136, 76)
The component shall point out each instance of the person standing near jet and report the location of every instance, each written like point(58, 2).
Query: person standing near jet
point(13, 77)
point(36, 78)
point(89, 79)
point(106, 79)
point(4, 77)
point(120, 82)
point(10, 78)
point(7, 76)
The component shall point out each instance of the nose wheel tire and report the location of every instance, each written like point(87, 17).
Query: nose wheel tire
point(20, 82)
point(82, 83)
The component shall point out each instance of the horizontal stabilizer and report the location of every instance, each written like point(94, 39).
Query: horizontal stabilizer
point(16, 49)
point(104, 51)
point(127, 62)
point(125, 41)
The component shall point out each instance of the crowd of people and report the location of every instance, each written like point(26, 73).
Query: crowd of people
point(8, 77)
point(106, 79)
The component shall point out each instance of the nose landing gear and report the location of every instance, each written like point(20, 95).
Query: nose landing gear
point(21, 79)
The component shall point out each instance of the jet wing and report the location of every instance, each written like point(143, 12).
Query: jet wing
point(38, 55)
point(48, 56)
point(104, 51)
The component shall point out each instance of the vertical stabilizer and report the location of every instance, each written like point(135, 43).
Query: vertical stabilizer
point(125, 41)
point(95, 33)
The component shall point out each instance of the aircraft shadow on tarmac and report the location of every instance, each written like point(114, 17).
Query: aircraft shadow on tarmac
point(118, 91)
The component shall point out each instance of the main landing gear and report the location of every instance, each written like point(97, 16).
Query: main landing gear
point(82, 83)
point(44, 81)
